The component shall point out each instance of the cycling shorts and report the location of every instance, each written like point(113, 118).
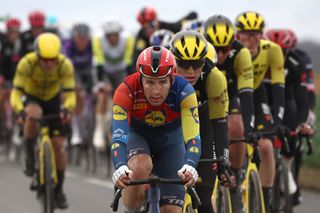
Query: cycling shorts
point(50, 107)
point(84, 78)
point(234, 105)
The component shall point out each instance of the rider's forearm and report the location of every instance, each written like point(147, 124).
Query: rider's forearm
point(69, 100)
point(118, 154)
point(247, 109)
point(15, 100)
point(278, 95)
point(220, 136)
point(193, 154)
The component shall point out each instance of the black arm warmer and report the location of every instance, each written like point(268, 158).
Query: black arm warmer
point(100, 71)
point(247, 109)
point(278, 102)
point(220, 136)
point(302, 101)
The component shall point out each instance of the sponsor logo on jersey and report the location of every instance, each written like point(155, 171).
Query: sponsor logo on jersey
point(194, 149)
point(119, 113)
point(138, 106)
point(115, 145)
point(155, 118)
point(195, 114)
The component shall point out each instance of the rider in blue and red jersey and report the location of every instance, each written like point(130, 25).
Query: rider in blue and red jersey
point(155, 130)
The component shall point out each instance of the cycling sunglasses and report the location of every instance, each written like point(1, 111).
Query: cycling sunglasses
point(160, 71)
point(224, 49)
point(47, 60)
point(195, 64)
point(150, 24)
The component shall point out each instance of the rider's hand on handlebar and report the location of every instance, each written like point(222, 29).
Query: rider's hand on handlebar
point(122, 176)
point(306, 129)
point(251, 137)
point(65, 115)
point(21, 117)
point(224, 174)
point(188, 174)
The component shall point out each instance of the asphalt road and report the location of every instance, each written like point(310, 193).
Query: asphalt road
point(85, 193)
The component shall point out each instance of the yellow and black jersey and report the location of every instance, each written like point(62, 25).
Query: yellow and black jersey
point(212, 95)
point(238, 69)
point(31, 80)
point(239, 73)
point(269, 57)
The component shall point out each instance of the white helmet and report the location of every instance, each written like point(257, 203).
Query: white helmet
point(112, 26)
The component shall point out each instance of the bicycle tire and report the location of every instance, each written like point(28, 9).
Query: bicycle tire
point(255, 197)
point(48, 201)
point(223, 201)
point(287, 198)
point(276, 192)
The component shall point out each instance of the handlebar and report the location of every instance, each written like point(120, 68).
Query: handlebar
point(154, 180)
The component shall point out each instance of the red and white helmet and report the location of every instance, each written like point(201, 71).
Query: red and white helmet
point(279, 36)
point(156, 62)
point(147, 14)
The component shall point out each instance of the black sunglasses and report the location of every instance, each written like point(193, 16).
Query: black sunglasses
point(185, 64)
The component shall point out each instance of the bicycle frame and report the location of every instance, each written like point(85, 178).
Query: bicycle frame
point(45, 139)
point(250, 167)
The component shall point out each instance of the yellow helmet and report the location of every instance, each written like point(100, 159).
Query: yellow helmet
point(219, 31)
point(47, 45)
point(211, 54)
point(189, 45)
point(249, 21)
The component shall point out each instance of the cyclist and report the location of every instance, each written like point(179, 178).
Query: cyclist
point(10, 55)
point(234, 60)
point(148, 19)
point(52, 25)
point(79, 50)
point(296, 96)
point(265, 55)
point(37, 22)
point(40, 77)
point(161, 37)
point(113, 54)
point(306, 129)
point(155, 124)
point(196, 62)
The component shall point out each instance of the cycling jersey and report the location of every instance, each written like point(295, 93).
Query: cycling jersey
point(113, 58)
point(131, 110)
point(81, 60)
point(270, 57)
point(308, 67)
point(238, 70)
point(211, 90)
point(10, 54)
point(31, 80)
point(27, 40)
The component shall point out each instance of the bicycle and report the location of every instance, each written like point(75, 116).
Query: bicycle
point(153, 193)
point(220, 195)
point(281, 199)
point(252, 195)
point(46, 176)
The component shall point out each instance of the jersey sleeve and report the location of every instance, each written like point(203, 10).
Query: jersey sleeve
point(97, 51)
point(129, 50)
point(244, 72)
point(21, 79)
point(243, 69)
point(218, 101)
point(276, 60)
point(190, 125)
point(218, 104)
point(68, 85)
point(122, 101)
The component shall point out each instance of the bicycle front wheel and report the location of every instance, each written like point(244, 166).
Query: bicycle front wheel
point(48, 203)
point(255, 195)
point(223, 200)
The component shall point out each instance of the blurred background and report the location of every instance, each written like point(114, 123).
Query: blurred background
point(93, 192)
